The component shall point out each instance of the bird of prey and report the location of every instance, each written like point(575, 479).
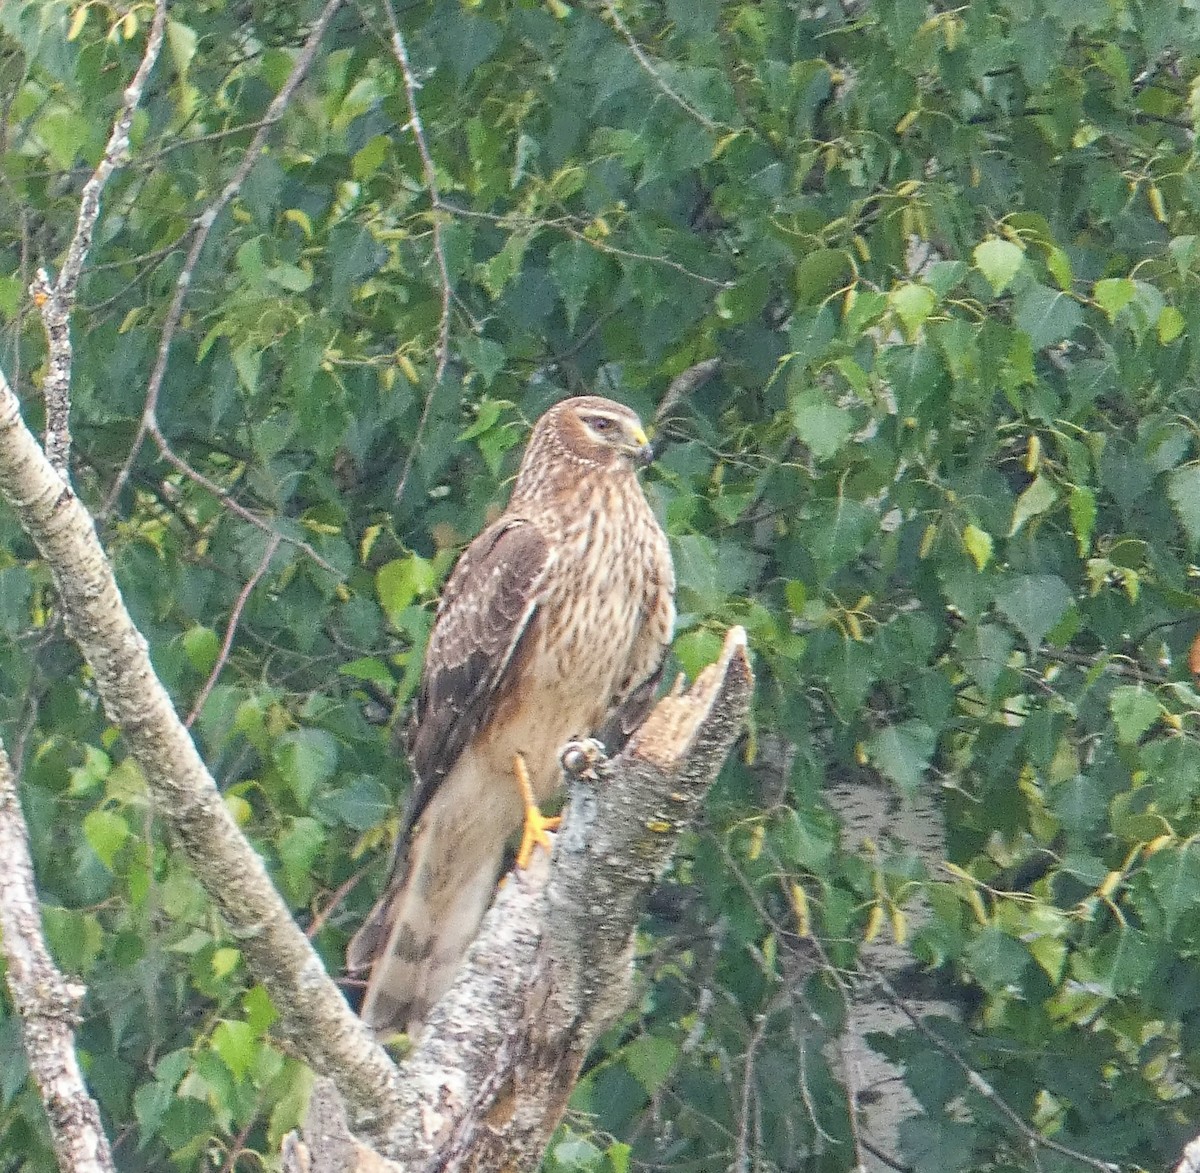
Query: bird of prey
point(553, 625)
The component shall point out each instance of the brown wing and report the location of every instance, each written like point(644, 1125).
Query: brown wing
point(487, 615)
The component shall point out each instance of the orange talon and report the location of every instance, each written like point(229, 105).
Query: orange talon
point(536, 825)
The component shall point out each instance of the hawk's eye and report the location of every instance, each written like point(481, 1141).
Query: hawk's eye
point(601, 424)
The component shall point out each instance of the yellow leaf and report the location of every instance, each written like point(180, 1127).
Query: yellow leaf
point(77, 22)
point(874, 924)
point(301, 220)
point(977, 543)
point(407, 368)
point(370, 534)
point(927, 541)
point(800, 910)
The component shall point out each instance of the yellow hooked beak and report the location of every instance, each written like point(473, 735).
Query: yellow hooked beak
point(642, 453)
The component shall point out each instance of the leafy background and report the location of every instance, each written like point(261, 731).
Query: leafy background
point(948, 476)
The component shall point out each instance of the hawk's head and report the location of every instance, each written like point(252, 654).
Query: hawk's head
point(594, 431)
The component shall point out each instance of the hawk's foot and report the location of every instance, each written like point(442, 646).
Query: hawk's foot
point(536, 825)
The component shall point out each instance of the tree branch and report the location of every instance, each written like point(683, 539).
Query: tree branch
point(56, 301)
point(312, 1010)
point(149, 425)
point(552, 967)
point(46, 1003)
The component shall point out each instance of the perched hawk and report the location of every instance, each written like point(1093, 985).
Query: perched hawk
point(553, 625)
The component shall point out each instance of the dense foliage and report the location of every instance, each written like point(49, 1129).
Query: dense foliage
point(947, 476)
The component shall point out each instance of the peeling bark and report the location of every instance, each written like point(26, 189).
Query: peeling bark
point(47, 1005)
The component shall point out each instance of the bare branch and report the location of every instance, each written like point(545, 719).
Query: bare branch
point(652, 70)
point(429, 174)
point(47, 1005)
point(686, 383)
point(312, 1012)
point(56, 301)
point(193, 474)
point(1030, 1136)
point(231, 627)
point(203, 226)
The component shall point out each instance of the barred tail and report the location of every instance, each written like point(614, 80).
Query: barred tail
point(416, 936)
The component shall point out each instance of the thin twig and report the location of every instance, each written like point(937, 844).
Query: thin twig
point(231, 627)
point(47, 1005)
point(56, 301)
point(235, 507)
point(1030, 1135)
point(204, 223)
point(569, 226)
point(347, 886)
point(652, 72)
point(429, 173)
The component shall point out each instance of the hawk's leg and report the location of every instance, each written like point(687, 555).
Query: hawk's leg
point(533, 831)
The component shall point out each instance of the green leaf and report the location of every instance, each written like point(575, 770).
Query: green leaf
point(290, 277)
point(1039, 496)
point(106, 832)
point(202, 646)
point(999, 261)
point(650, 1060)
point(237, 1045)
point(822, 273)
point(1183, 491)
point(1171, 323)
point(16, 587)
point(369, 158)
point(575, 267)
point(368, 668)
point(822, 425)
point(1047, 315)
point(306, 758)
point(298, 849)
point(181, 41)
point(1134, 710)
point(1175, 874)
point(361, 805)
point(1123, 961)
point(1033, 604)
point(1059, 266)
point(745, 300)
point(247, 360)
point(903, 752)
point(400, 582)
point(1113, 294)
point(997, 961)
point(913, 304)
point(1082, 507)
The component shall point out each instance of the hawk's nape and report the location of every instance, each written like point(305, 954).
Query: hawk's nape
point(553, 625)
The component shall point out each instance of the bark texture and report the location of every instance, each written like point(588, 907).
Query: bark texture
point(552, 967)
point(313, 1013)
point(46, 1003)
